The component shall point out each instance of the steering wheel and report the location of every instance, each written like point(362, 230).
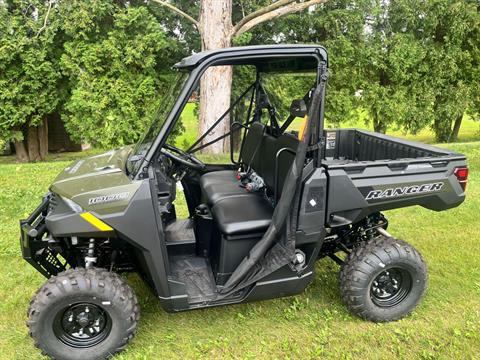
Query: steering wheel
point(182, 157)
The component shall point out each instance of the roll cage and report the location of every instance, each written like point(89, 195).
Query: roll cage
point(274, 58)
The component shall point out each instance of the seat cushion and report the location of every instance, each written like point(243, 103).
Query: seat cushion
point(215, 192)
point(216, 177)
point(217, 185)
point(244, 214)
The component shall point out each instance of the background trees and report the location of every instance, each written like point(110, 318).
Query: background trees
point(29, 75)
point(113, 60)
point(99, 64)
point(453, 60)
point(393, 68)
point(216, 30)
point(339, 26)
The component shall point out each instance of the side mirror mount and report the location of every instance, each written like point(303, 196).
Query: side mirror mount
point(298, 108)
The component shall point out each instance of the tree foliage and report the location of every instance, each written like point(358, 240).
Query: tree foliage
point(113, 60)
point(99, 63)
point(29, 73)
point(406, 64)
point(393, 69)
point(453, 61)
point(337, 25)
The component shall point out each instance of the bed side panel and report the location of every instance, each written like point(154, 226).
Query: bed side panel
point(356, 191)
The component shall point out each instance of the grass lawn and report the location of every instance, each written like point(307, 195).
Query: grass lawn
point(469, 131)
point(312, 325)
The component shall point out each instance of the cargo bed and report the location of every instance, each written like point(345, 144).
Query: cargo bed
point(345, 146)
point(371, 172)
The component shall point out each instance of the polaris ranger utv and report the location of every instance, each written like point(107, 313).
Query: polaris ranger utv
point(256, 226)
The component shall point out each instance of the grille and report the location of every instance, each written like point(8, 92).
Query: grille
point(52, 203)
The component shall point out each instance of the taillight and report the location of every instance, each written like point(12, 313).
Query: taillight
point(462, 176)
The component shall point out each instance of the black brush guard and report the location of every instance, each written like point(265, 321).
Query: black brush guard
point(35, 248)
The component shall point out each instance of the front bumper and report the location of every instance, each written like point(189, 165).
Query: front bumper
point(34, 241)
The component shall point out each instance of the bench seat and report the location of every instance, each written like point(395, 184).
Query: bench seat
point(235, 210)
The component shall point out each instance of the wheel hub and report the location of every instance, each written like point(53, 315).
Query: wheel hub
point(82, 325)
point(83, 319)
point(390, 287)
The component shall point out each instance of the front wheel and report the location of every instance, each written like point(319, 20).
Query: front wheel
point(83, 314)
point(383, 279)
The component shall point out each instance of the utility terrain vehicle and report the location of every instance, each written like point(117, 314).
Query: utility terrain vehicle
point(289, 195)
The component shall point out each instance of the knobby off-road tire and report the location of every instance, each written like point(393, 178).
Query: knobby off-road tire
point(383, 279)
point(97, 301)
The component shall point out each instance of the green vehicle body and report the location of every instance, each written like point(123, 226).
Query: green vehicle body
point(127, 207)
point(96, 177)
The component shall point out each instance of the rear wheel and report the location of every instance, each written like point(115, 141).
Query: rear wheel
point(383, 279)
point(83, 314)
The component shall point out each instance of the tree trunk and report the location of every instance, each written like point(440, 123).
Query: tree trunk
point(456, 128)
point(378, 125)
point(240, 113)
point(20, 151)
point(216, 83)
point(32, 144)
point(43, 138)
point(442, 130)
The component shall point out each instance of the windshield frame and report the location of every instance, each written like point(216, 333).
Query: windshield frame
point(163, 115)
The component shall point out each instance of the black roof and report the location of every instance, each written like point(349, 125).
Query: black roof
point(260, 55)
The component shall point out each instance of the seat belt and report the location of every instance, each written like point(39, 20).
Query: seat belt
point(257, 147)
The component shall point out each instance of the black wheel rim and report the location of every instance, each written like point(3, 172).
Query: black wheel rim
point(391, 287)
point(82, 325)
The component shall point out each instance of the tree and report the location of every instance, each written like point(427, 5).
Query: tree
point(393, 67)
point(97, 63)
point(29, 75)
point(339, 26)
point(114, 57)
point(453, 37)
point(422, 65)
point(216, 31)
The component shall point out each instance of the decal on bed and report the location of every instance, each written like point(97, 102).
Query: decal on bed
point(404, 190)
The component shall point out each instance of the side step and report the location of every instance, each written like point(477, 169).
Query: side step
point(196, 273)
point(180, 237)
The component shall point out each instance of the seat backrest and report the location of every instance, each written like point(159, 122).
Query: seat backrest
point(267, 167)
point(260, 151)
point(251, 145)
point(265, 160)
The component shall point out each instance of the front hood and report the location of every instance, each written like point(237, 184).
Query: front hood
point(97, 183)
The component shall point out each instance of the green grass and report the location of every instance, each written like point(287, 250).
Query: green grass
point(189, 121)
point(469, 131)
point(312, 325)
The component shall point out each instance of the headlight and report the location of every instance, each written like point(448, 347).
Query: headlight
point(72, 205)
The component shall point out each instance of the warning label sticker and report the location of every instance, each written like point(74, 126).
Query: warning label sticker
point(331, 140)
